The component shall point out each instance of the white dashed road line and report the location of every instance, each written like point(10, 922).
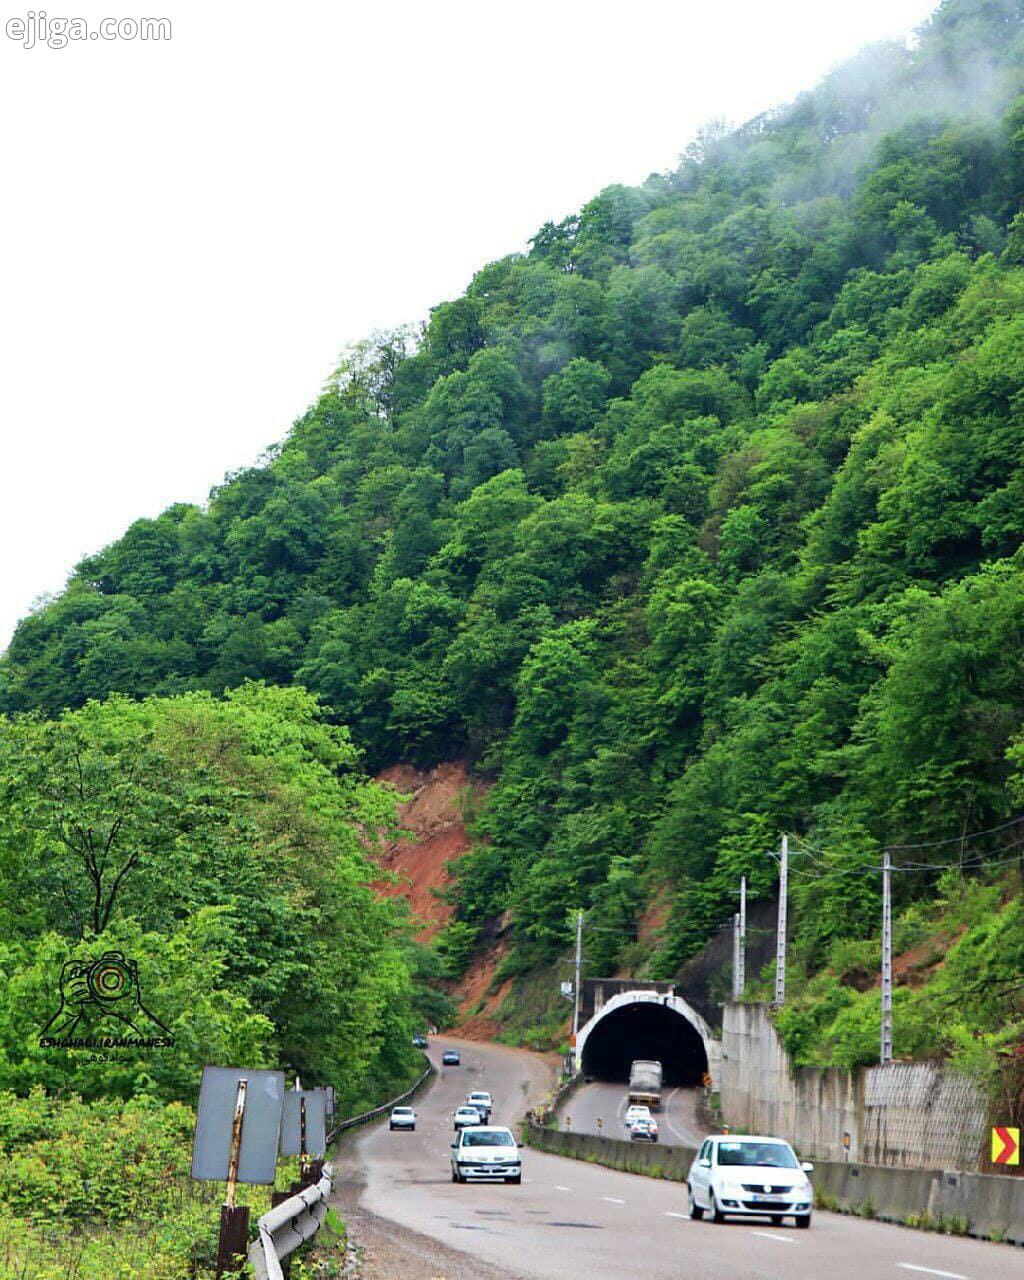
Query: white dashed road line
point(613, 1200)
point(930, 1271)
point(560, 1188)
point(669, 1214)
point(767, 1235)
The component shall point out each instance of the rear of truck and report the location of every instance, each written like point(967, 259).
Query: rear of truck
point(645, 1084)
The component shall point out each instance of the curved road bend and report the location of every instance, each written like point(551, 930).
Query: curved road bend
point(679, 1123)
point(575, 1221)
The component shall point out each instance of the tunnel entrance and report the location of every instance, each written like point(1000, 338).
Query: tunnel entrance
point(645, 1029)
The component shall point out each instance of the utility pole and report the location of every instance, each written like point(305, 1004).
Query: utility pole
point(576, 978)
point(741, 968)
point(737, 990)
point(885, 1056)
point(780, 934)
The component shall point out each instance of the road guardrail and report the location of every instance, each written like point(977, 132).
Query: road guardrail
point(288, 1225)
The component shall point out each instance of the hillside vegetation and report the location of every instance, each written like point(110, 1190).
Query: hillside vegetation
point(698, 522)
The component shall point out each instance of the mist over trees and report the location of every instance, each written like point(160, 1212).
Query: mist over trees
point(699, 521)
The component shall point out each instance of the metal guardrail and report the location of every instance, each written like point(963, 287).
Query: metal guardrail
point(288, 1225)
point(384, 1108)
point(297, 1219)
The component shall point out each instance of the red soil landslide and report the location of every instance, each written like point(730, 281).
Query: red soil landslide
point(432, 816)
point(478, 1009)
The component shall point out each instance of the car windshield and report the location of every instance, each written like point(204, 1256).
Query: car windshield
point(487, 1138)
point(466, 1111)
point(402, 1111)
point(772, 1155)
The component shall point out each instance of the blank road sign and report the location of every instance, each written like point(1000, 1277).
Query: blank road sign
point(211, 1149)
point(316, 1123)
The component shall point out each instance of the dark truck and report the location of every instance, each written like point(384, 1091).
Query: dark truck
point(645, 1084)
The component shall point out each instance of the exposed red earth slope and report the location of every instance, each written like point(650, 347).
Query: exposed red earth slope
point(435, 835)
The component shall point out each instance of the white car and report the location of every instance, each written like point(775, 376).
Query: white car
point(486, 1152)
point(642, 1130)
point(481, 1099)
point(636, 1112)
point(402, 1118)
point(743, 1176)
point(639, 1115)
point(465, 1116)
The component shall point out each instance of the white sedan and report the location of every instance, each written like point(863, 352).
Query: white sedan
point(465, 1116)
point(402, 1118)
point(488, 1152)
point(742, 1176)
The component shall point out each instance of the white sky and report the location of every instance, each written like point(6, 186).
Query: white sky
point(191, 231)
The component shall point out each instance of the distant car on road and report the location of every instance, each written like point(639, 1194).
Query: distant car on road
point(402, 1118)
point(642, 1130)
point(451, 1058)
point(483, 1102)
point(742, 1176)
point(465, 1116)
point(419, 1042)
point(486, 1152)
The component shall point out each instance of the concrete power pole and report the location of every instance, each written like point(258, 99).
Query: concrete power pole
point(576, 978)
point(742, 967)
point(885, 1055)
point(780, 935)
point(737, 990)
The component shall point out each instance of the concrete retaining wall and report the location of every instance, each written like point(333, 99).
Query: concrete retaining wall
point(907, 1115)
point(650, 1158)
point(979, 1204)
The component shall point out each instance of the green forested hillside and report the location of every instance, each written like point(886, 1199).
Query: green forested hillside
point(698, 522)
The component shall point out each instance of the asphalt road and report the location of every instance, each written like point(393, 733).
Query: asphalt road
point(575, 1221)
point(679, 1124)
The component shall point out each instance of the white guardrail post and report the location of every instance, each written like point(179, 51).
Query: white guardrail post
point(300, 1217)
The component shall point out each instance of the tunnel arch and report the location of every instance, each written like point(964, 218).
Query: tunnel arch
point(645, 1024)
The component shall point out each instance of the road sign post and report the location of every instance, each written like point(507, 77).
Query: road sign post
point(234, 1219)
point(304, 1131)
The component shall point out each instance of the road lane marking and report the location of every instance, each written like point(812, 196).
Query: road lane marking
point(669, 1214)
point(561, 1188)
point(930, 1271)
point(613, 1200)
point(767, 1235)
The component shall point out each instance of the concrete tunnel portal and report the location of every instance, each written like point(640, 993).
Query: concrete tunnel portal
point(642, 1025)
